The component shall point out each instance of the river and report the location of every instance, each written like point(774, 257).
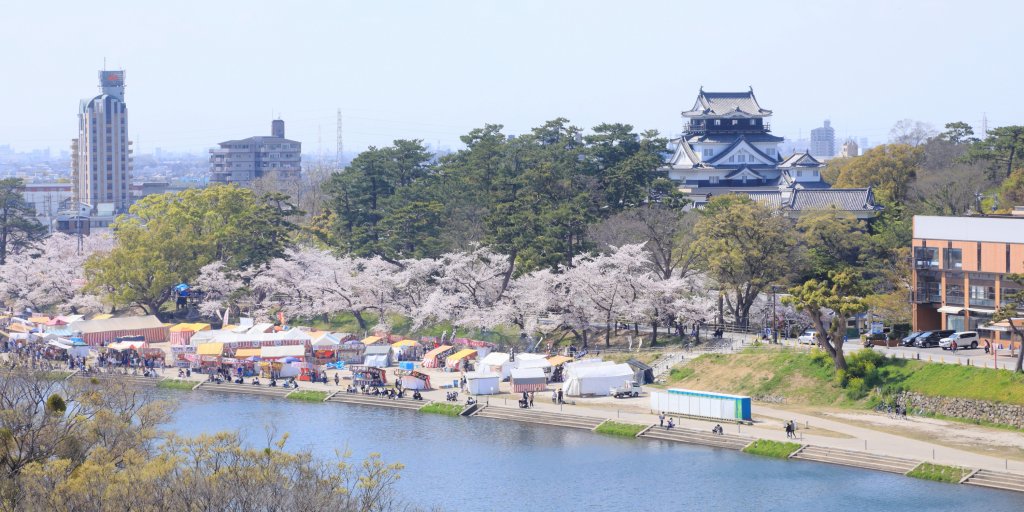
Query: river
point(467, 464)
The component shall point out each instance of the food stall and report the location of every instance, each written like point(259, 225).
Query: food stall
point(434, 358)
point(459, 361)
point(363, 375)
point(407, 350)
point(414, 380)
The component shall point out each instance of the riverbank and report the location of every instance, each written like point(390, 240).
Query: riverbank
point(844, 444)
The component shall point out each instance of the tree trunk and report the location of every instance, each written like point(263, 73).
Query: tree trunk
point(1020, 353)
point(359, 318)
point(654, 332)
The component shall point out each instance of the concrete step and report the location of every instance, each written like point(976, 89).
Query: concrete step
point(856, 459)
point(397, 403)
point(683, 435)
point(997, 480)
point(539, 417)
point(134, 379)
point(247, 389)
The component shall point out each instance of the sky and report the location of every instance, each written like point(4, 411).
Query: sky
point(201, 72)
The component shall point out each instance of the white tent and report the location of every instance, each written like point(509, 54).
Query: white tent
point(596, 379)
point(496, 362)
point(326, 341)
point(378, 356)
point(531, 361)
point(482, 383)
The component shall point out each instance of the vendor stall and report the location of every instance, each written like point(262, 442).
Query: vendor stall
point(528, 379)
point(496, 362)
point(558, 367)
point(434, 358)
point(459, 360)
point(415, 380)
point(407, 350)
point(482, 383)
point(373, 340)
point(363, 375)
point(180, 334)
point(98, 332)
point(351, 351)
point(378, 356)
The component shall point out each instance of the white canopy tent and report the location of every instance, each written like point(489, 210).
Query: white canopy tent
point(498, 363)
point(596, 380)
point(378, 356)
point(483, 383)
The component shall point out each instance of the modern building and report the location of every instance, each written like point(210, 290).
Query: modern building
point(727, 147)
point(959, 269)
point(823, 141)
point(46, 198)
point(849, 149)
point(247, 160)
point(101, 156)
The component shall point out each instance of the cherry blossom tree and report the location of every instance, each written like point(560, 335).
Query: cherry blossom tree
point(50, 276)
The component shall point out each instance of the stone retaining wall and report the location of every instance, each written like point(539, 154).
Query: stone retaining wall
point(977, 410)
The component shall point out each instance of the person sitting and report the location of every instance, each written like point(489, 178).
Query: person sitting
point(273, 382)
point(239, 381)
point(670, 424)
point(416, 395)
point(181, 373)
point(717, 430)
point(255, 381)
point(470, 401)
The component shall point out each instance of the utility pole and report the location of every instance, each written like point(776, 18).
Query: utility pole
point(775, 330)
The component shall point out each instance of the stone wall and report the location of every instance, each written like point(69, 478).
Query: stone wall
point(965, 408)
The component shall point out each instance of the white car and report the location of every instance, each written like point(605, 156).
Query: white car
point(965, 339)
point(809, 337)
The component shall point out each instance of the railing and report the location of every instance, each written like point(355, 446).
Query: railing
point(956, 300)
point(925, 296)
point(727, 128)
point(983, 302)
point(926, 264)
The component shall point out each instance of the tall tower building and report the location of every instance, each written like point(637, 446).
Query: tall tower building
point(101, 161)
point(823, 140)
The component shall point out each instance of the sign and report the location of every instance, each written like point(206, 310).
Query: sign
point(877, 328)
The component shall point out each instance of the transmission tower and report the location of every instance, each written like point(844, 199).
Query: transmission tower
point(341, 144)
point(984, 125)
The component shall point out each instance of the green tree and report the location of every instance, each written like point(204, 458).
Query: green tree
point(958, 133)
point(1002, 148)
point(745, 247)
point(18, 227)
point(1011, 192)
point(889, 169)
point(829, 303)
point(1011, 311)
point(168, 238)
point(834, 240)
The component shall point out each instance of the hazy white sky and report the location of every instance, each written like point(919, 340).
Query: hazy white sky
point(200, 72)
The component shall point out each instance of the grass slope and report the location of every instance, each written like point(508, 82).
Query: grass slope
point(439, 408)
point(939, 473)
point(809, 379)
point(614, 428)
point(183, 385)
point(774, 449)
point(308, 395)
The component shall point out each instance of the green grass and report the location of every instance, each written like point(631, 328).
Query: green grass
point(439, 408)
point(621, 357)
point(184, 385)
point(774, 449)
point(308, 395)
point(939, 473)
point(56, 375)
point(809, 378)
point(614, 428)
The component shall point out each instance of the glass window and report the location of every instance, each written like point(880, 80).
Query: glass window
point(955, 322)
point(753, 122)
point(735, 122)
point(718, 122)
point(708, 152)
point(954, 259)
point(926, 257)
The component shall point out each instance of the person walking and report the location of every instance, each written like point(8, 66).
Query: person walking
point(531, 399)
point(337, 380)
point(952, 346)
point(661, 419)
point(988, 346)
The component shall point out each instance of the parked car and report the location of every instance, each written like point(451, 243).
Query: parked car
point(809, 337)
point(965, 339)
point(627, 389)
point(908, 340)
point(932, 338)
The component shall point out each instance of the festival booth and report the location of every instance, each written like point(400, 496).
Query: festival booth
point(100, 332)
point(282, 361)
point(377, 356)
point(351, 351)
point(497, 363)
point(208, 355)
point(415, 380)
point(127, 345)
point(434, 358)
point(483, 383)
point(596, 379)
point(325, 346)
point(525, 360)
point(407, 350)
point(180, 334)
point(363, 375)
point(528, 379)
point(74, 348)
point(373, 340)
point(558, 367)
point(459, 360)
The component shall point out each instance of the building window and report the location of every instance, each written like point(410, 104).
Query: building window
point(926, 257)
point(753, 122)
point(954, 294)
point(953, 259)
point(713, 180)
point(735, 122)
point(742, 158)
point(718, 122)
point(983, 295)
point(799, 174)
point(708, 152)
point(732, 158)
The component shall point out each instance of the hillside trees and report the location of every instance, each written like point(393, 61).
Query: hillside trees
point(889, 169)
point(1002, 149)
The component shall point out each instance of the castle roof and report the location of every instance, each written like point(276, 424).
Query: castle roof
point(714, 104)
